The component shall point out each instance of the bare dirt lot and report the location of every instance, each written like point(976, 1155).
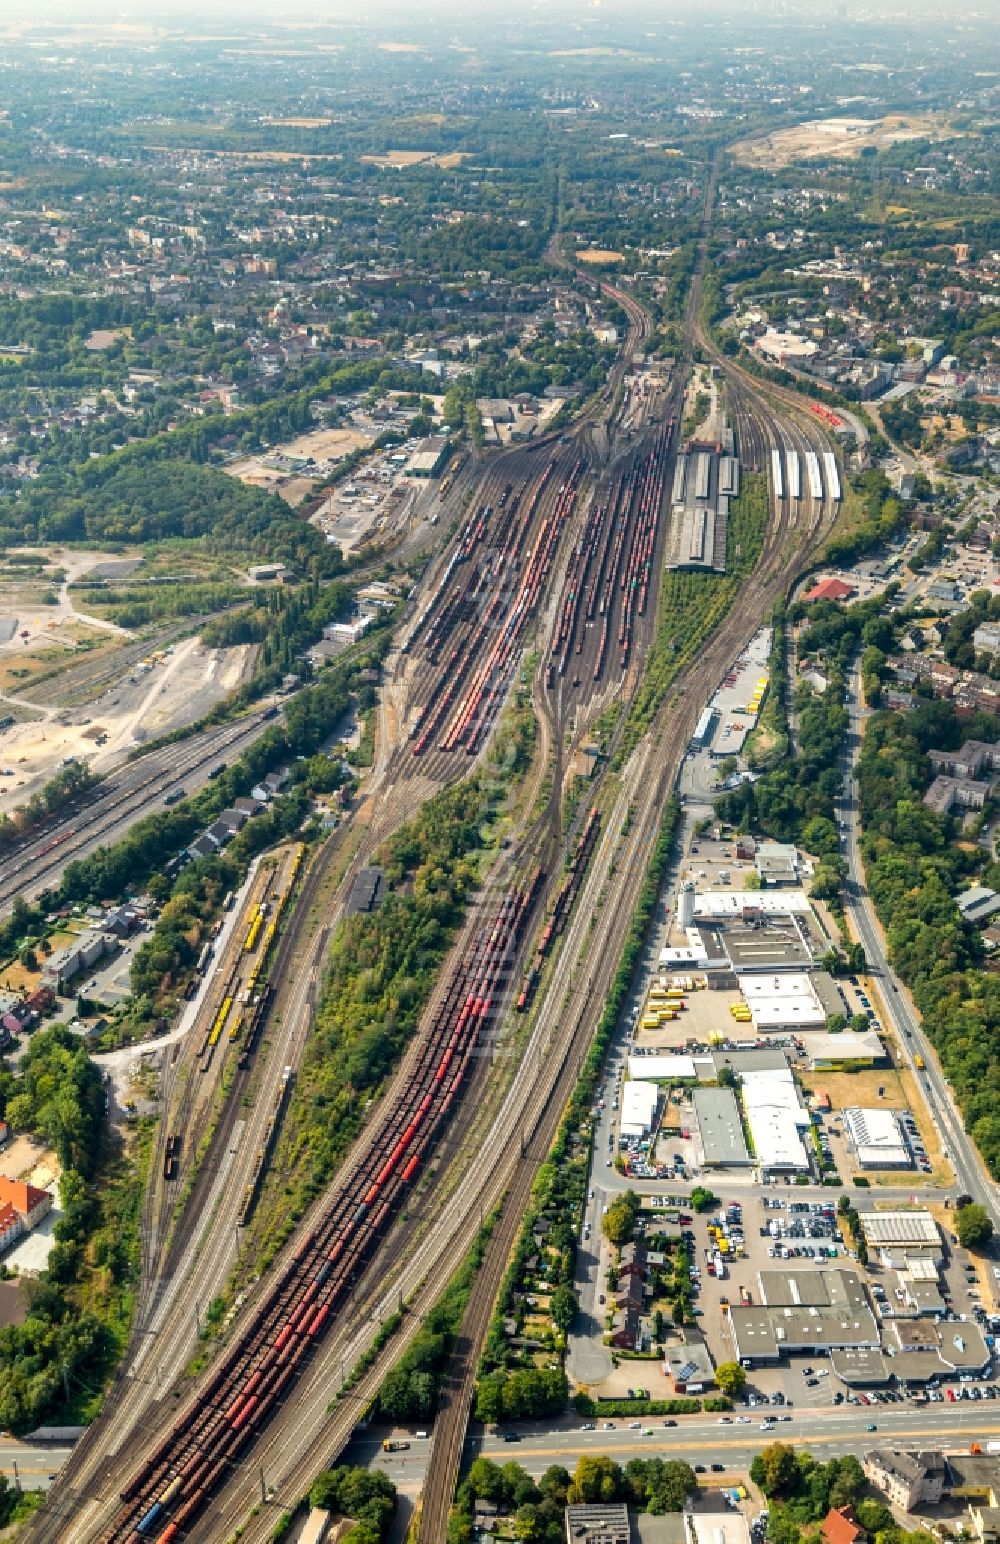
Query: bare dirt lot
point(272, 471)
point(399, 159)
point(599, 255)
point(176, 688)
point(842, 138)
point(26, 1159)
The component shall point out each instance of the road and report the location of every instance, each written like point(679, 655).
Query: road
point(702, 1439)
point(34, 1468)
point(900, 1012)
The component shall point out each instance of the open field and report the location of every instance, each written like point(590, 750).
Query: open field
point(40, 623)
point(842, 138)
point(398, 160)
point(599, 255)
point(298, 123)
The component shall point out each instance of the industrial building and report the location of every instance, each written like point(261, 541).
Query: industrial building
point(787, 1000)
point(762, 1335)
point(639, 1100)
point(720, 1130)
point(877, 1139)
point(429, 458)
point(849, 1048)
point(663, 1069)
point(729, 1527)
point(776, 1120)
point(899, 1235)
point(705, 478)
point(704, 729)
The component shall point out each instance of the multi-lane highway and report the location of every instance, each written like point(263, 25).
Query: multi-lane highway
point(827, 1433)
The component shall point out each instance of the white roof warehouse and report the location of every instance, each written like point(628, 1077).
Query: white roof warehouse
point(784, 1001)
point(776, 1119)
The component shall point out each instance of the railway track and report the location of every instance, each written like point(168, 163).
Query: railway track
point(36, 863)
point(172, 1485)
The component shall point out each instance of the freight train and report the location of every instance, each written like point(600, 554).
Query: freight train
point(173, 1483)
point(614, 557)
point(561, 907)
point(475, 629)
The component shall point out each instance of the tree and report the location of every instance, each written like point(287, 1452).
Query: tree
point(596, 1479)
point(618, 1222)
point(563, 1308)
point(730, 1378)
point(702, 1199)
point(974, 1226)
point(775, 1470)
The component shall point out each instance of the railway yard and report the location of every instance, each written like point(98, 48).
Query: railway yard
point(556, 557)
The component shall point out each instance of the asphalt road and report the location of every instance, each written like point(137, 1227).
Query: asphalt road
point(32, 1467)
point(897, 1004)
point(702, 1439)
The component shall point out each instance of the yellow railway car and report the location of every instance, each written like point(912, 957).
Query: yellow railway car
point(220, 1020)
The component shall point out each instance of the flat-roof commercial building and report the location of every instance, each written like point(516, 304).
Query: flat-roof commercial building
point(831, 1051)
point(639, 1100)
point(730, 1527)
point(689, 1367)
point(776, 863)
point(720, 1131)
point(590, 1522)
point(877, 1138)
point(768, 1334)
point(785, 1000)
point(827, 1288)
point(735, 904)
point(897, 1234)
point(663, 1069)
point(776, 1120)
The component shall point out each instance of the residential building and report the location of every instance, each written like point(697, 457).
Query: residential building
point(29, 1203)
point(841, 1526)
point(977, 904)
point(63, 966)
point(11, 1226)
point(907, 1479)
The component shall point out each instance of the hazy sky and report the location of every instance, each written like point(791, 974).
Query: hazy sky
point(143, 11)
